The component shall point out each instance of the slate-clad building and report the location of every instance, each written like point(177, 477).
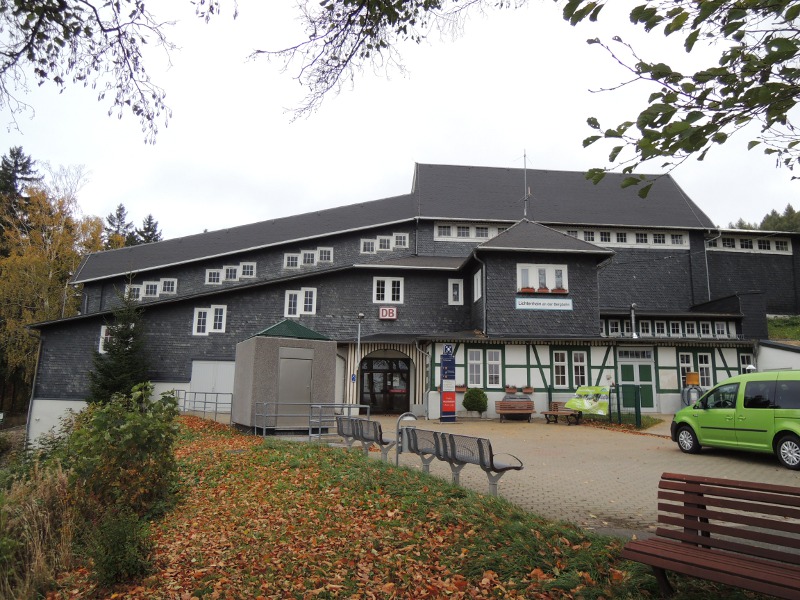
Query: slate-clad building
point(572, 284)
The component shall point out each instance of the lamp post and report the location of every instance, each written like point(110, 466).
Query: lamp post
point(358, 357)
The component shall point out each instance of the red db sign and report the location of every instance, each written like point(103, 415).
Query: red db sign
point(387, 313)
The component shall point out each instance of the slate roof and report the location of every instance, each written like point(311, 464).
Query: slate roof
point(557, 197)
point(291, 329)
point(435, 263)
point(438, 192)
point(528, 236)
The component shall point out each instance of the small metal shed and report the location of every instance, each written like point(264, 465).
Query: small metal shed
point(280, 372)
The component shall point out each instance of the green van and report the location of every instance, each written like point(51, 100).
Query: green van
point(759, 412)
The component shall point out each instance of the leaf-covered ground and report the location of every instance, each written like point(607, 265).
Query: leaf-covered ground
point(276, 519)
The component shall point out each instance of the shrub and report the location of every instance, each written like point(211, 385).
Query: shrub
point(475, 399)
point(120, 547)
point(121, 452)
point(5, 444)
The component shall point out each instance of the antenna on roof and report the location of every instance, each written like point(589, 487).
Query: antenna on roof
point(526, 189)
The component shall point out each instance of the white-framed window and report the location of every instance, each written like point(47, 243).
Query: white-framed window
point(133, 292)
point(477, 286)
point(105, 338)
point(150, 289)
point(213, 276)
point(542, 277)
point(764, 245)
point(641, 238)
point(560, 369)
point(474, 368)
point(728, 242)
point(300, 302)
point(711, 243)
point(455, 292)
point(626, 327)
point(622, 237)
point(209, 320)
point(781, 245)
point(443, 231)
point(579, 369)
point(309, 257)
point(401, 240)
point(384, 242)
point(659, 238)
point(247, 270)
point(645, 328)
point(661, 328)
point(493, 368)
point(686, 366)
point(588, 236)
point(481, 231)
point(572, 232)
point(367, 246)
point(677, 239)
point(675, 329)
point(325, 255)
point(501, 229)
point(691, 328)
point(705, 329)
point(291, 261)
point(605, 237)
point(613, 327)
point(169, 286)
point(387, 290)
point(231, 273)
point(720, 329)
point(218, 318)
point(704, 368)
point(462, 231)
point(745, 360)
point(746, 244)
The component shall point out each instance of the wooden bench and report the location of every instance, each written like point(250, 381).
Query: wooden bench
point(514, 407)
point(459, 451)
point(557, 410)
point(739, 533)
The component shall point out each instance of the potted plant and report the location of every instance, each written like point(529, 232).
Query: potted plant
point(460, 387)
point(511, 389)
point(476, 400)
point(527, 390)
point(527, 290)
point(543, 290)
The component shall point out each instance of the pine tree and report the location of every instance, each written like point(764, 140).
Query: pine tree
point(124, 362)
point(118, 231)
point(17, 174)
point(149, 231)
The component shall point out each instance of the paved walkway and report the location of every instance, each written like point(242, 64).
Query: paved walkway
point(600, 479)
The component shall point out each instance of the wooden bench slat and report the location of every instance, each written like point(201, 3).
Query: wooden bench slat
point(739, 532)
point(735, 504)
point(693, 513)
point(790, 491)
point(781, 499)
point(746, 548)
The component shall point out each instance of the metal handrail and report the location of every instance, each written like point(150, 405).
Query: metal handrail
point(206, 403)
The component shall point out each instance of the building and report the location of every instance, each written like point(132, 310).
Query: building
point(569, 284)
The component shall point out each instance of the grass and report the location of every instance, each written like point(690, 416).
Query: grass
point(276, 519)
point(622, 421)
point(784, 328)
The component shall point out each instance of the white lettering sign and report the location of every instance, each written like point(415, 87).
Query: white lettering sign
point(544, 304)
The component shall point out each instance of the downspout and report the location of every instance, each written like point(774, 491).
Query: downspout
point(425, 400)
point(705, 255)
point(485, 292)
point(33, 387)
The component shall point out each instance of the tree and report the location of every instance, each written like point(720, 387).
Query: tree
point(118, 231)
point(756, 79)
point(123, 364)
point(149, 231)
point(17, 174)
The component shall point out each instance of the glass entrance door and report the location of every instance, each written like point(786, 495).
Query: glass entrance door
point(384, 384)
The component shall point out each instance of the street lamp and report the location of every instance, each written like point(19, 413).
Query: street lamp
point(358, 355)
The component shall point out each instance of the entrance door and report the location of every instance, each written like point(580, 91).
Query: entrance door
point(636, 374)
point(385, 384)
point(294, 393)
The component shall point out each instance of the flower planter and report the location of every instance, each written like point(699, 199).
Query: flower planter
point(461, 388)
point(527, 290)
point(527, 390)
point(543, 291)
point(511, 389)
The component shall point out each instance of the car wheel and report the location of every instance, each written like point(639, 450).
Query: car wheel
point(687, 440)
point(788, 451)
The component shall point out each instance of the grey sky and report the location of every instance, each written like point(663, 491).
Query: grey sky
point(515, 81)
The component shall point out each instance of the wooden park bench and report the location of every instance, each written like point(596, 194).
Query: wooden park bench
point(738, 533)
point(459, 451)
point(557, 410)
point(514, 407)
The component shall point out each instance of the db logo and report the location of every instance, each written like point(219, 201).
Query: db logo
point(387, 312)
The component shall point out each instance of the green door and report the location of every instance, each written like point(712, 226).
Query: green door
point(715, 421)
point(636, 374)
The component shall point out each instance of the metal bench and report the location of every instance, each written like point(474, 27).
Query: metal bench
point(557, 410)
point(738, 533)
point(459, 451)
point(345, 428)
point(370, 432)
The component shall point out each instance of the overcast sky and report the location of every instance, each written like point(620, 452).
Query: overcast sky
point(516, 81)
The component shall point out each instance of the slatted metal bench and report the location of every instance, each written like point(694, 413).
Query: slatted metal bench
point(459, 451)
point(557, 410)
point(369, 433)
point(514, 407)
point(739, 533)
point(345, 429)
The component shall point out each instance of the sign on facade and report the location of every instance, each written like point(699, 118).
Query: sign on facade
point(544, 304)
